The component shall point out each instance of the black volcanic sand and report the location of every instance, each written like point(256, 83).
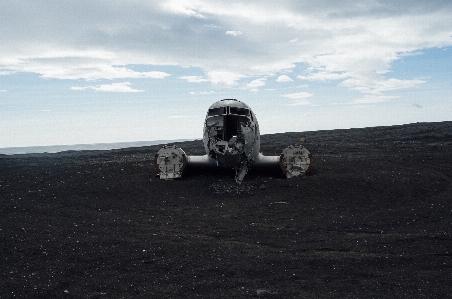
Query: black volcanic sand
point(372, 220)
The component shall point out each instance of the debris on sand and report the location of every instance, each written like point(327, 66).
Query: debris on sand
point(265, 293)
point(231, 188)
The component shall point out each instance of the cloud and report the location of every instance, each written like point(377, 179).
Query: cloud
point(93, 40)
point(114, 87)
point(178, 7)
point(75, 65)
point(379, 85)
point(194, 79)
point(299, 98)
point(234, 32)
point(323, 76)
point(301, 102)
point(284, 78)
point(298, 95)
point(202, 92)
point(372, 99)
point(255, 84)
point(213, 26)
point(220, 78)
point(178, 116)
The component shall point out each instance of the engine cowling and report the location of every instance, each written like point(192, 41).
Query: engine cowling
point(171, 161)
point(295, 160)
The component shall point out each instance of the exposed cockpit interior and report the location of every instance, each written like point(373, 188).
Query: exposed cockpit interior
point(227, 122)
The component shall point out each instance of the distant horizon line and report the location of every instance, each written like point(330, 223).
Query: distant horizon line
point(50, 149)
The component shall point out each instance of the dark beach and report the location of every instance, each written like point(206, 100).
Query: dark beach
point(373, 219)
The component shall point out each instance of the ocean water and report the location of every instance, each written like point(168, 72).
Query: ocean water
point(81, 147)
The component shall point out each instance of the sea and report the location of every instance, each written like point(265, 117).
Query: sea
point(81, 147)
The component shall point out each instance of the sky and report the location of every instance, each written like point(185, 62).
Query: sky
point(97, 71)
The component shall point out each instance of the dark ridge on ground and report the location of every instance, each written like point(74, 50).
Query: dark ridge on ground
point(372, 220)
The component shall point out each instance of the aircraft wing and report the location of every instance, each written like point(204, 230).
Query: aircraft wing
point(294, 160)
point(172, 160)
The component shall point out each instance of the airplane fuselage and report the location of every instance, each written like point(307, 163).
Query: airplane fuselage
point(232, 139)
point(231, 134)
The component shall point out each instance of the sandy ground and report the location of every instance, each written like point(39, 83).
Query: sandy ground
point(372, 220)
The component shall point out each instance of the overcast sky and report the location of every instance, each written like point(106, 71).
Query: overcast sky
point(88, 71)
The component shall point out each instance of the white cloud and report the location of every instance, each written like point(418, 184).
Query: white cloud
point(114, 87)
point(91, 40)
point(223, 77)
point(323, 76)
point(299, 98)
point(181, 7)
point(194, 79)
point(379, 85)
point(220, 78)
point(234, 32)
point(213, 26)
point(202, 93)
point(284, 78)
point(298, 95)
point(80, 65)
point(178, 116)
point(255, 84)
point(372, 99)
point(300, 103)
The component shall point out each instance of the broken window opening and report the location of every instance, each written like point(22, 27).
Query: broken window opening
point(230, 127)
point(217, 111)
point(233, 126)
point(239, 111)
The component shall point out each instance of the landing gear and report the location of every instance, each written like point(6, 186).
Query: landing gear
point(240, 173)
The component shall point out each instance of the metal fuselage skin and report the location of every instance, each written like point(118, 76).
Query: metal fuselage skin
point(231, 134)
point(232, 139)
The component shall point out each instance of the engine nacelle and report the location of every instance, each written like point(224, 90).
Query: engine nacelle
point(171, 161)
point(295, 160)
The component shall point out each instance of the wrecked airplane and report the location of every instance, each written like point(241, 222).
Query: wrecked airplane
point(232, 139)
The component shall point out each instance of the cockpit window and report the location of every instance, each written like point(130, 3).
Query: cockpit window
point(217, 111)
point(228, 111)
point(239, 111)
